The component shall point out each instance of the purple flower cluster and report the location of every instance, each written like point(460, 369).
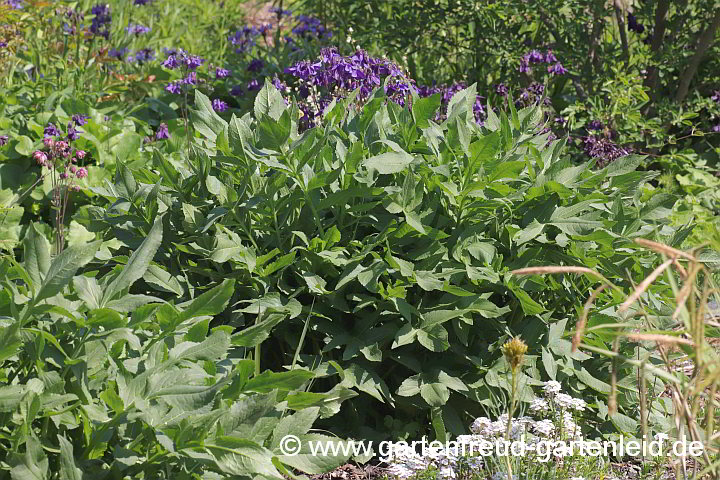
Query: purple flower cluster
point(3, 140)
point(357, 71)
point(142, 56)
point(101, 22)
point(603, 149)
point(243, 39)
point(118, 53)
point(280, 12)
point(137, 29)
point(142, 2)
point(178, 58)
point(310, 27)
point(716, 96)
point(535, 57)
point(15, 4)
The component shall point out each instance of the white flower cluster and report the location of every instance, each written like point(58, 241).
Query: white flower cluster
point(556, 421)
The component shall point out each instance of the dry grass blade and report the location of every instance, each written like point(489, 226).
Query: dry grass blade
point(553, 269)
point(580, 327)
point(660, 248)
point(662, 339)
point(644, 285)
point(684, 292)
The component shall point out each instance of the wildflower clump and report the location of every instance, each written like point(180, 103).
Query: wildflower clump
point(64, 165)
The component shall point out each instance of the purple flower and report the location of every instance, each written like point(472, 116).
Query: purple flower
point(253, 85)
point(502, 89)
point(137, 29)
point(80, 119)
point(524, 67)
point(265, 28)
point(49, 142)
point(171, 63)
point(219, 106)
point(174, 88)
point(221, 73)
point(3, 140)
point(715, 128)
point(80, 154)
point(244, 38)
point(557, 69)
point(142, 2)
point(550, 57)
point(192, 61)
point(16, 4)
point(280, 12)
point(143, 55)
point(280, 85)
point(595, 125)
point(534, 57)
point(81, 173)
point(191, 79)
point(72, 133)
point(716, 96)
point(51, 130)
point(119, 54)
point(236, 91)
point(162, 132)
point(101, 20)
point(603, 149)
point(255, 65)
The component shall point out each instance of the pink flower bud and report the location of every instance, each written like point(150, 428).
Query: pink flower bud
point(49, 142)
point(80, 154)
point(63, 175)
point(81, 173)
point(40, 157)
point(73, 168)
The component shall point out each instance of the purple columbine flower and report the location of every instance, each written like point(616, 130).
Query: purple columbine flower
point(143, 55)
point(715, 128)
point(557, 69)
point(253, 85)
point(80, 154)
point(174, 88)
point(118, 53)
point(80, 119)
point(502, 89)
point(162, 132)
point(3, 140)
point(550, 57)
point(137, 29)
point(72, 133)
point(51, 130)
point(255, 65)
point(219, 106)
point(171, 63)
point(221, 73)
point(191, 79)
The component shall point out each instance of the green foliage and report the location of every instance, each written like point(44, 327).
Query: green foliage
point(101, 382)
point(379, 245)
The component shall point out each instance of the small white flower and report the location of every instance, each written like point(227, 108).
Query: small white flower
point(539, 405)
point(551, 387)
point(544, 427)
point(480, 425)
point(578, 404)
point(563, 400)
